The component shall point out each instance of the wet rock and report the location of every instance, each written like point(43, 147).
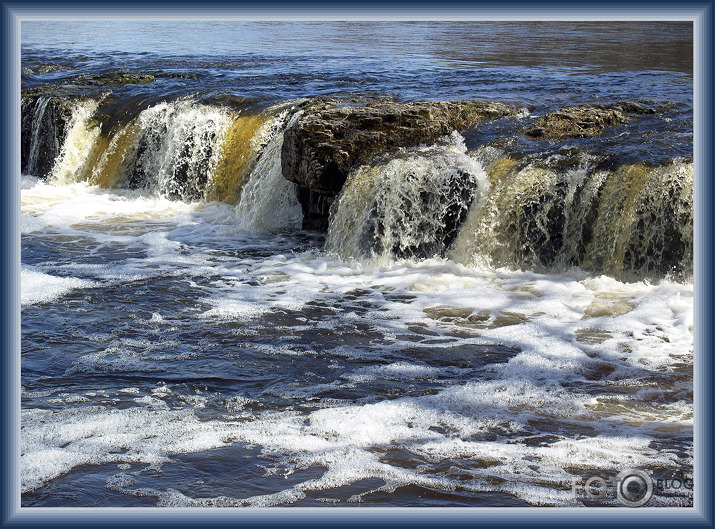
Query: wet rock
point(45, 117)
point(177, 75)
point(113, 79)
point(231, 101)
point(583, 121)
point(45, 68)
point(331, 137)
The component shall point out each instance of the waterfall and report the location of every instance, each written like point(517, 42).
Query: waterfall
point(116, 154)
point(534, 215)
point(37, 115)
point(633, 221)
point(644, 221)
point(242, 145)
point(407, 206)
point(269, 202)
point(72, 165)
point(181, 149)
point(43, 129)
point(178, 148)
point(541, 212)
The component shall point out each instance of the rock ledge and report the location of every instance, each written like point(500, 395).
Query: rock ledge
point(330, 138)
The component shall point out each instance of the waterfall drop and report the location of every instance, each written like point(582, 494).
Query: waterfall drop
point(410, 205)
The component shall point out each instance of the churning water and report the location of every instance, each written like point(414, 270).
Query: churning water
point(186, 343)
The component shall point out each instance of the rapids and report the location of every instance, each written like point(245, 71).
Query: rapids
point(487, 318)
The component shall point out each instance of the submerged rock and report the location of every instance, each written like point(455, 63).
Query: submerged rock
point(583, 121)
point(45, 68)
point(113, 79)
point(329, 139)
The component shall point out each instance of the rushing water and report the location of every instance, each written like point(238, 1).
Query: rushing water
point(186, 343)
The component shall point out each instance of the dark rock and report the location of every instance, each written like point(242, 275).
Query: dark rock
point(329, 139)
point(177, 75)
point(583, 121)
point(237, 103)
point(44, 123)
point(113, 79)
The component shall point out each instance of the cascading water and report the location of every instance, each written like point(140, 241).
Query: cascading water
point(268, 201)
point(43, 130)
point(534, 215)
point(178, 148)
point(411, 205)
point(181, 150)
point(116, 155)
point(644, 222)
point(547, 214)
point(72, 164)
point(242, 146)
point(544, 213)
point(37, 114)
point(634, 221)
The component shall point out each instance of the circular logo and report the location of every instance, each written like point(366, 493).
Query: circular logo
point(634, 487)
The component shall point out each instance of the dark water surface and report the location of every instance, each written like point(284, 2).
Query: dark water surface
point(529, 62)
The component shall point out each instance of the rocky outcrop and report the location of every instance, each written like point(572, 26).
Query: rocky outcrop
point(583, 121)
point(329, 138)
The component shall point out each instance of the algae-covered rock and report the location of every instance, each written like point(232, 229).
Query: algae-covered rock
point(117, 78)
point(583, 121)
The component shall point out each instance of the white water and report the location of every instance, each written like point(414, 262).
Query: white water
point(268, 201)
point(337, 367)
point(609, 362)
point(71, 164)
point(38, 287)
point(180, 136)
point(399, 205)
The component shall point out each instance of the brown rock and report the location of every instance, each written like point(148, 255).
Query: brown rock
point(329, 139)
point(583, 121)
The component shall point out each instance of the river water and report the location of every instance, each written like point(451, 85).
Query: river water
point(201, 349)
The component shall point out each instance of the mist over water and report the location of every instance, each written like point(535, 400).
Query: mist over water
point(487, 317)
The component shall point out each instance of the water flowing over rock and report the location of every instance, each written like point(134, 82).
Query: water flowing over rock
point(631, 221)
point(328, 140)
point(44, 126)
point(583, 121)
point(386, 180)
point(411, 205)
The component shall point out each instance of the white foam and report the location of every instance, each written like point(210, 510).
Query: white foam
point(28, 181)
point(29, 224)
point(55, 442)
point(38, 287)
point(642, 331)
point(61, 206)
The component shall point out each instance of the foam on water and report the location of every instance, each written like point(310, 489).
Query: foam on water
point(434, 374)
point(38, 287)
point(60, 206)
